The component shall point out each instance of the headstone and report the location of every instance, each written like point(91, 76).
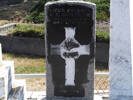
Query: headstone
point(121, 49)
point(70, 44)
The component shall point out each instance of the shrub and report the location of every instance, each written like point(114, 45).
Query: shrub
point(37, 12)
point(102, 9)
point(35, 17)
point(102, 36)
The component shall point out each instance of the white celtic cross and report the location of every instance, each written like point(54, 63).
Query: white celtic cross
point(70, 49)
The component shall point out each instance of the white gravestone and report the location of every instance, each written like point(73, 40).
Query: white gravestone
point(5, 81)
point(6, 75)
point(3, 85)
point(0, 52)
point(121, 37)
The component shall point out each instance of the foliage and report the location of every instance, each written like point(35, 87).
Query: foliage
point(102, 9)
point(27, 30)
point(35, 17)
point(102, 36)
point(37, 12)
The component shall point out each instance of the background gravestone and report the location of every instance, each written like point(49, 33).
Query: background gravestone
point(70, 44)
point(121, 44)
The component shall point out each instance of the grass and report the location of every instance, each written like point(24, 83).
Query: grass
point(24, 64)
point(28, 30)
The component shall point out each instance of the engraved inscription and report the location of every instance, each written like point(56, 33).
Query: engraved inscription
point(70, 15)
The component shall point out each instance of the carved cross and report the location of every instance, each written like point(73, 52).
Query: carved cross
point(70, 49)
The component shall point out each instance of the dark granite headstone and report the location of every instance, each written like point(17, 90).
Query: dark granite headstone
point(70, 48)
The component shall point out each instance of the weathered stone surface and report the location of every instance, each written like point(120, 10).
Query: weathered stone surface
point(0, 54)
point(3, 86)
point(5, 82)
point(10, 65)
point(70, 43)
point(121, 49)
point(18, 91)
point(6, 78)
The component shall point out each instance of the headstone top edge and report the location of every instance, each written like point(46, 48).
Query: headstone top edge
point(71, 2)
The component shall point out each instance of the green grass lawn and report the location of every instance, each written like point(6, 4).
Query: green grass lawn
point(37, 31)
point(24, 64)
point(28, 64)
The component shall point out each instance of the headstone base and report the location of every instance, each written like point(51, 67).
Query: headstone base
point(96, 97)
point(67, 98)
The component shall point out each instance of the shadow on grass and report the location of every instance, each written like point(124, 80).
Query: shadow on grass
point(13, 55)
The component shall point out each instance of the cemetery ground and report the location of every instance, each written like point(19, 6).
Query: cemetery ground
point(37, 65)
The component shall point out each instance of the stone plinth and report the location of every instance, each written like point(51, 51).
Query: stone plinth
point(70, 44)
point(18, 91)
point(5, 81)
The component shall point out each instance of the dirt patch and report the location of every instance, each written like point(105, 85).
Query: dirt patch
point(3, 22)
point(36, 84)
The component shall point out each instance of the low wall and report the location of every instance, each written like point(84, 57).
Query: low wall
point(29, 46)
point(8, 2)
point(102, 54)
point(36, 46)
